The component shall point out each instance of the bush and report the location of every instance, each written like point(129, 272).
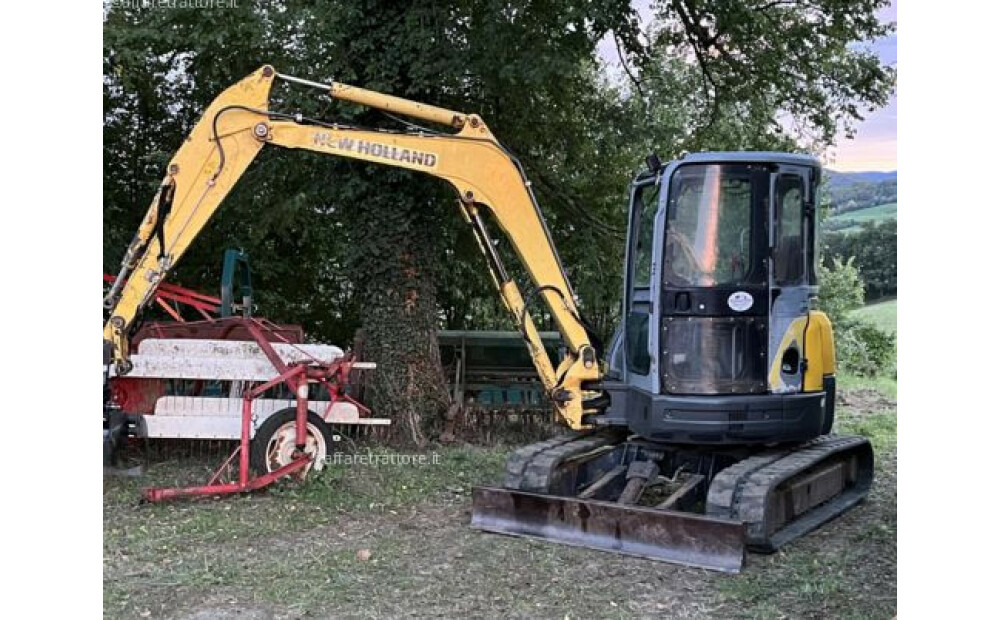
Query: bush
point(863, 349)
point(841, 289)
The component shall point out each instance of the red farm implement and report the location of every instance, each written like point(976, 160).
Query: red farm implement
point(298, 377)
point(211, 375)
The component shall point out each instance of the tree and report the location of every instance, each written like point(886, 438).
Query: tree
point(873, 250)
point(762, 61)
point(382, 229)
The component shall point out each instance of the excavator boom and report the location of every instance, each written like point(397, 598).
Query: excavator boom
point(488, 179)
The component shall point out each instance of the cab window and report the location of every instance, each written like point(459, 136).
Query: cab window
point(789, 256)
point(709, 227)
point(647, 199)
point(645, 203)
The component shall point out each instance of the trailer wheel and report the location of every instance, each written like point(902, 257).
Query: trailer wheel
point(274, 443)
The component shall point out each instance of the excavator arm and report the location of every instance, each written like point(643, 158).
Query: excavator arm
point(488, 179)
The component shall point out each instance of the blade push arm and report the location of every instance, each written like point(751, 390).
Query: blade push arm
point(487, 178)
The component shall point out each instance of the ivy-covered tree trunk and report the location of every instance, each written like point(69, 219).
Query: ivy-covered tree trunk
point(394, 243)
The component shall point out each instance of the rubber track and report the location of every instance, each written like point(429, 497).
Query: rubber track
point(741, 490)
point(530, 468)
point(520, 458)
point(728, 484)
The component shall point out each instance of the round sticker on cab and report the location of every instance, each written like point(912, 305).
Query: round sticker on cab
point(741, 301)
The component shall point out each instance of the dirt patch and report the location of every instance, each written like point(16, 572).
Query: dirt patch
point(863, 401)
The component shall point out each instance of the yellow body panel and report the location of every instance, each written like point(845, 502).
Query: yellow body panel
point(819, 351)
point(236, 126)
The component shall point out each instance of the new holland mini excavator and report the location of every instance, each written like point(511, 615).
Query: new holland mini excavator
point(707, 428)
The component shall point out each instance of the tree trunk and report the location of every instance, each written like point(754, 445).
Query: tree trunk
point(399, 314)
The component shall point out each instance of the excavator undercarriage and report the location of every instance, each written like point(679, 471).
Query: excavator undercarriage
point(686, 505)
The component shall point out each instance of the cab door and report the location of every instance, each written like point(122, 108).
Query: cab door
point(639, 284)
point(713, 336)
point(792, 277)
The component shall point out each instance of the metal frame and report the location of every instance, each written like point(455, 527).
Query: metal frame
point(206, 305)
point(471, 381)
point(297, 376)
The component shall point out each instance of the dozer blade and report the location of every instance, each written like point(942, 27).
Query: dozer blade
point(664, 535)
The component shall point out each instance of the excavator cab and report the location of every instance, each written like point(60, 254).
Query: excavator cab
point(720, 344)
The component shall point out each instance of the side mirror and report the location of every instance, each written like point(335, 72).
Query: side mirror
point(653, 163)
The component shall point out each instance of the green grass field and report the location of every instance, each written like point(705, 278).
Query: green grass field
point(882, 314)
point(881, 213)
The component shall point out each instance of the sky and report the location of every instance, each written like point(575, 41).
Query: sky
point(874, 144)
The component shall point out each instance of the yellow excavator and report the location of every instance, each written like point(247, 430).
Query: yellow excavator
point(706, 428)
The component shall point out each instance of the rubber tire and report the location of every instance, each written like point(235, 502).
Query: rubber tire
point(258, 447)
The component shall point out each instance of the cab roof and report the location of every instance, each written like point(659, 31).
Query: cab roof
point(751, 157)
point(737, 157)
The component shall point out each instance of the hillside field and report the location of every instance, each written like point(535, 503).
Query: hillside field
point(882, 314)
point(881, 213)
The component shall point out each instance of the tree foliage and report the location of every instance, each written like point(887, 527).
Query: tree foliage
point(863, 349)
point(762, 61)
point(873, 251)
point(340, 245)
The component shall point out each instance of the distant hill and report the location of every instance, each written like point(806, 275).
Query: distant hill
point(853, 221)
point(851, 191)
point(840, 179)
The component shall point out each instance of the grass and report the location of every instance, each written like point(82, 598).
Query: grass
point(199, 546)
point(374, 487)
point(877, 213)
point(879, 428)
point(884, 385)
point(880, 213)
point(368, 541)
point(882, 314)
